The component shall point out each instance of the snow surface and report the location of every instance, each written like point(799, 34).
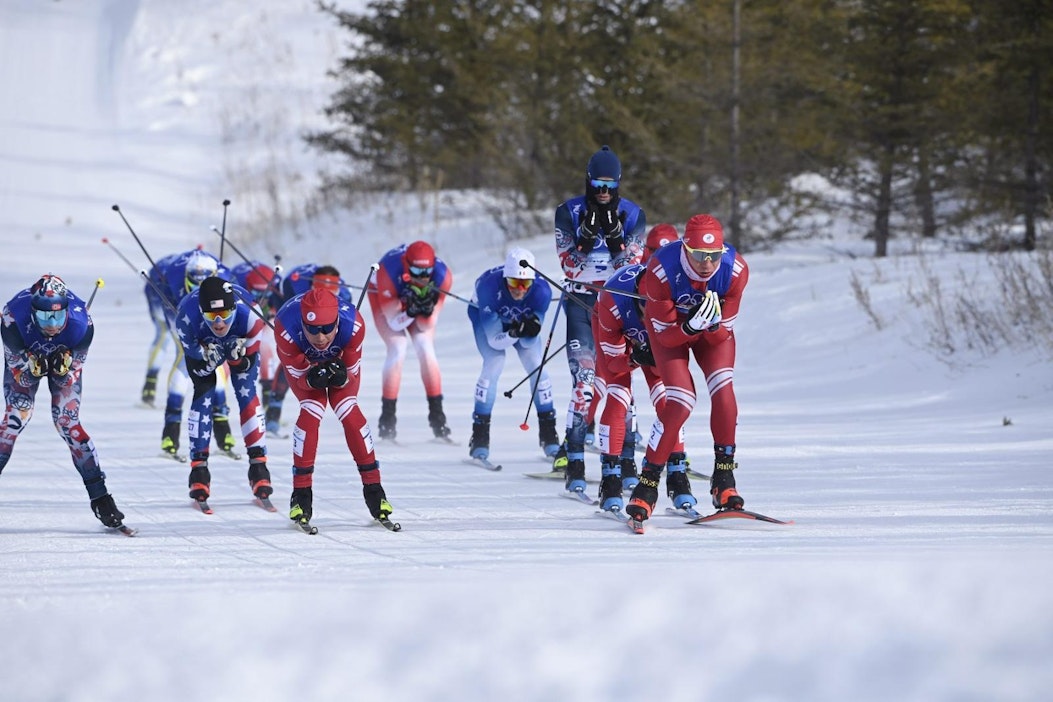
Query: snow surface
point(918, 567)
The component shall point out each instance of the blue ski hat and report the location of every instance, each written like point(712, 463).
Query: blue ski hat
point(603, 164)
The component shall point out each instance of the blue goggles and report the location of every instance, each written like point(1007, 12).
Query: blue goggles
point(50, 318)
point(418, 272)
point(320, 328)
point(604, 184)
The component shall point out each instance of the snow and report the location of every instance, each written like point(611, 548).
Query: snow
point(917, 568)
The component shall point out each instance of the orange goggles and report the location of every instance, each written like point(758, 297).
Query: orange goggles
point(219, 316)
point(702, 256)
point(518, 283)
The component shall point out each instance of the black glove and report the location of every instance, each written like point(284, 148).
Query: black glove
point(642, 355)
point(318, 376)
point(612, 231)
point(337, 373)
point(59, 362)
point(242, 364)
point(591, 229)
point(525, 327)
point(38, 365)
point(421, 306)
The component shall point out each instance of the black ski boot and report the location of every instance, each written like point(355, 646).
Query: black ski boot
point(547, 437)
point(170, 438)
point(479, 445)
point(386, 423)
point(677, 485)
point(200, 479)
point(300, 505)
point(376, 500)
point(106, 511)
point(150, 388)
point(722, 483)
point(629, 475)
point(611, 484)
point(222, 434)
point(437, 418)
point(259, 476)
point(645, 494)
point(575, 475)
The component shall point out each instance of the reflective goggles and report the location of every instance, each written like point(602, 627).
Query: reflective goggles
point(218, 316)
point(604, 184)
point(50, 318)
point(702, 256)
point(316, 329)
point(519, 283)
point(419, 272)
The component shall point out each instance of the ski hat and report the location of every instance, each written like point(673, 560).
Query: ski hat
point(704, 233)
point(419, 254)
point(660, 235)
point(512, 267)
point(216, 294)
point(319, 306)
point(259, 278)
point(603, 164)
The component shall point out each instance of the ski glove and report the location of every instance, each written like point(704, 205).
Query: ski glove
point(239, 349)
point(213, 356)
point(318, 376)
point(525, 327)
point(242, 364)
point(59, 362)
point(590, 231)
point(642, 355)
point(38, 365)
point(704, 316)
point(418, 305)
point(337, 373)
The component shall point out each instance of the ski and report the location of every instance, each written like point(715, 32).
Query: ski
point(229, 453)
point(126, 530)
point(271, 434)
point(388, 524)
point(445, 440)
point(203, 506)
point(580, 496)
point(696, 474)
point(616, 514)
point(557, 475)
point(265, 503)
point(483, 463)
point(689, 512)
point(636, 525)
point(737, 514)
point(305, 526)
point(174, 456)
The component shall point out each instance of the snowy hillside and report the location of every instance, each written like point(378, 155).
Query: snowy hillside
point(917, 567)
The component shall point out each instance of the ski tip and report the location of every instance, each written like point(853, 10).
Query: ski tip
point(388, 524)
point(126, 530)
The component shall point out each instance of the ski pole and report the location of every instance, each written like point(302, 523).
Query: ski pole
point(246, 259)
point(310, 279)
point(373, 268)
point(571, 296)
point(525, 426)
point(453, 295)
point(118, 252)
point(98, 284)
point(549, 357)
point(223, 234)
point(135, 236)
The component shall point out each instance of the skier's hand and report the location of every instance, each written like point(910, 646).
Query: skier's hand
point(418, 305)
point(38, 365)
point(642, 355)
point(239, 349)
point(337, 372)
point(525, 327)
point(59, 362)
point(612, 232)
point(589, 230)
point(705, 315)
point(318, 376)
point(213, 356)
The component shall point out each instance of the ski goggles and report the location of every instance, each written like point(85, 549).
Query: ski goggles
point(604, 184)
point(50, 318)
point(702, 255)
point(420, 271)
point(316, 329)
point(218, 316)
point(518, 283)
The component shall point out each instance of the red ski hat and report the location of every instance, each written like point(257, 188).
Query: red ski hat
point(319, 306)
point(704, 233)
point(259, 278)
point(660, 235)
point(420, 254)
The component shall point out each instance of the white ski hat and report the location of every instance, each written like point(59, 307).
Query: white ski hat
point(513, 269)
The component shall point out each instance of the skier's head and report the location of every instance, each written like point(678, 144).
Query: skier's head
point(519, 277)
point(704, 243)
point(602, 176)
point(327, 278)
point(50, 303)
point(218, 304)
point(659, 236)
point(199, 265)
point(319, 314)
point(418, 263)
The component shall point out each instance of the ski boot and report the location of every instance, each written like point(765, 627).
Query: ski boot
point(259, 476)
point(722, 483)
point(548, 439)
point(170, 439)
point(106, 511)
point(437, 418)
point(200, 478)
point(590, 434)
point(611, 484)
point(559, 461)
point(645, 494)
point(677, 485)
point(224, 438)
point(300, 505)
point(377, 501)
point(479, 445)
point(575, 475)
point(386, 423)
point(629, 475)
point(150, 388)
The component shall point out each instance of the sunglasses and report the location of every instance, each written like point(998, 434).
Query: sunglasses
point(315, 329)
point(418, 272)
point(703, 256)
point(50, 318)
point(604, 184)
point(220, 316)
point(518, 283)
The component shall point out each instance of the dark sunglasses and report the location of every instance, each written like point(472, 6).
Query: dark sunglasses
point(418, 272)
point(320, 328)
